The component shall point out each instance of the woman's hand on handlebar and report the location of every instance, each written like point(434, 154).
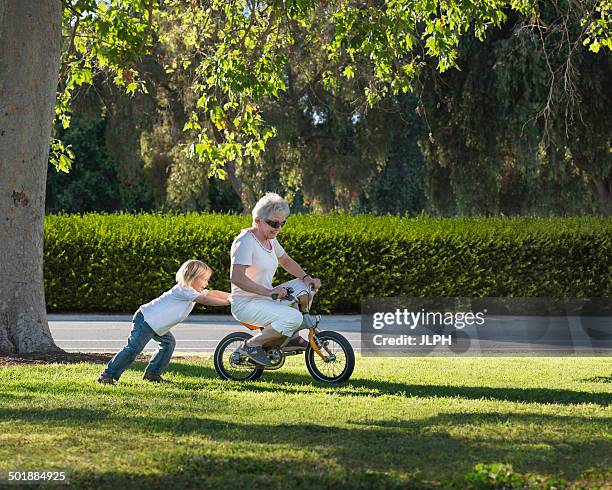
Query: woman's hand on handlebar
point(278, 292)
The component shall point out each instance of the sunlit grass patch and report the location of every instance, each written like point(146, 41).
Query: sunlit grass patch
point(398, 423)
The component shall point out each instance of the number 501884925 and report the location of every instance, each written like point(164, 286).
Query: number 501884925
point(34, 476)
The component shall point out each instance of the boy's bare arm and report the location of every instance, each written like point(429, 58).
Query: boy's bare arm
point(214, 298)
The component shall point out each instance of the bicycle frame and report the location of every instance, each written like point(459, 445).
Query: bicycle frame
point(303, 303)
point(329, 356)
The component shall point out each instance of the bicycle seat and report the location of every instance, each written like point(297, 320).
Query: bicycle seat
point(251, 327)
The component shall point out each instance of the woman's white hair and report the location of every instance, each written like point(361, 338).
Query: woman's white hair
point(270, 204)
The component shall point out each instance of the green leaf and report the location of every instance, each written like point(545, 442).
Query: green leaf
point(595, 46)
point(349, 72)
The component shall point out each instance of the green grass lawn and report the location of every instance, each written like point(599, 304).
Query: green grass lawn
point(406, 423)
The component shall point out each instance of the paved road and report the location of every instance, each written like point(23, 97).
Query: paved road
point(200, 333)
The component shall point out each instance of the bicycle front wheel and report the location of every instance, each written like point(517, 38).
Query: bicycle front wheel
point(340, 361)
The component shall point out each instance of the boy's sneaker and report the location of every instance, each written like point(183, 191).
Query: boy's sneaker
point(154, 378)
point(106, 379)
point(296, 343)
point(256, 354)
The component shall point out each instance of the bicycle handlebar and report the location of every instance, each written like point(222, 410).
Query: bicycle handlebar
point(290, 296)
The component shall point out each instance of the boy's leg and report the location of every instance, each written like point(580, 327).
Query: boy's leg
point(139, 337)
point(159, 362)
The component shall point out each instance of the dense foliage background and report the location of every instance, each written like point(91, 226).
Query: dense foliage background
point(117, 262)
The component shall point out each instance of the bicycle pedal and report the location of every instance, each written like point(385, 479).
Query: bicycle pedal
point(291, 352)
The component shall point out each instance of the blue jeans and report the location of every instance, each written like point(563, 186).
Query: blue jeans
point(139, 337)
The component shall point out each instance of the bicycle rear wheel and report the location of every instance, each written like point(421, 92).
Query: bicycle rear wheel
point(232, 366)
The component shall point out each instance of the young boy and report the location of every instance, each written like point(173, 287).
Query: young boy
point(155, 319)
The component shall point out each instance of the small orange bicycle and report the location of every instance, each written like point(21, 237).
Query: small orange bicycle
point(329, 356)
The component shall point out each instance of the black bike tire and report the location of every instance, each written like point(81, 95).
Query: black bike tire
point(348, 352)
point(218, 358)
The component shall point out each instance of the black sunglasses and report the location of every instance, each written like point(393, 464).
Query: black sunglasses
point(275, 224)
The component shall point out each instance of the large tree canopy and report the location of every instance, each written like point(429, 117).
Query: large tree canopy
point(237, 50)
point(238, 62)
point(524, 125)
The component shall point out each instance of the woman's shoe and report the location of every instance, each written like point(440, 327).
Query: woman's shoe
point(256, 354)
point(296, 343)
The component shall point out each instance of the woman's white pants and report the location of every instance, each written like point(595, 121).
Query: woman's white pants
point(263, 311)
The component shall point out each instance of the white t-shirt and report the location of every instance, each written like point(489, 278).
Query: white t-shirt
point(248, 250)
point(170, 308)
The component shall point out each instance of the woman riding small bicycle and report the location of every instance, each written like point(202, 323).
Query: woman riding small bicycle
point(255, 256)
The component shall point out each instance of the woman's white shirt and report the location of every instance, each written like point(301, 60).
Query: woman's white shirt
point(248, 250)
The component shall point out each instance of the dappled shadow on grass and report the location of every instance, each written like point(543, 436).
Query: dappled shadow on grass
point(206, 471)
point(60, 357)
point(371, 452)
point(198, 376)
point(437, 446)
point(296, 383)
point(13, 397)
point(61, 415)
point(526, 395)
point(457, 420)
point(598, 379)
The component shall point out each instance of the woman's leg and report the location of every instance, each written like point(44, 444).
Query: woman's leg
point(281, 317)
point(299, 289)
point(159, 362)
point(139, 337)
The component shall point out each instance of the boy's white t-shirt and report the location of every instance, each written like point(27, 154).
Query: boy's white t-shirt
point(170, 308)
point(248, 250)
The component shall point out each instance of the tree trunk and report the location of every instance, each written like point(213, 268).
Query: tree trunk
point(245, 192)
point(604, 192)
point(30, 43)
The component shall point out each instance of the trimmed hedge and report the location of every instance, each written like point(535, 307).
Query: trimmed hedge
point(116, 262)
